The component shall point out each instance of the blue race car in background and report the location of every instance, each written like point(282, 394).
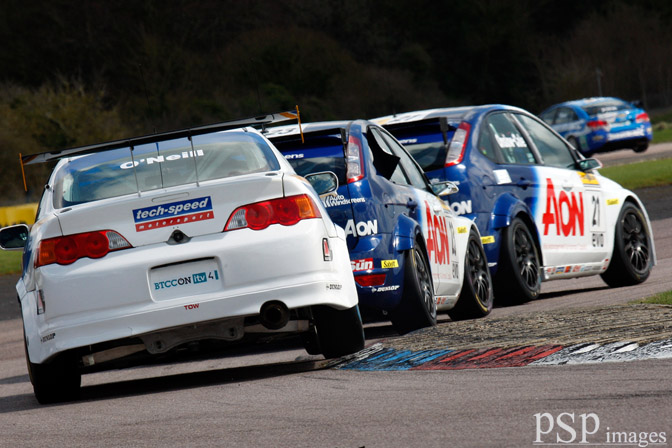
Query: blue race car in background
point(600, 124)
point(411, 254)
point(543, 211)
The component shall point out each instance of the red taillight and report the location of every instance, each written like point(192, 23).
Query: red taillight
point(458, 144)
point(596, 124)
point(70, 248)
point(354, 160)
point(370, 279)
point(286, 211)
point(642, 118)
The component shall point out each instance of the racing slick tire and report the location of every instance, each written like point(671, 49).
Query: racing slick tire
point(641, 147)
point(417, 308)
point(55, 381)
point(477, 296)
point(339, 332)
point(631, 260)
point(518, 278)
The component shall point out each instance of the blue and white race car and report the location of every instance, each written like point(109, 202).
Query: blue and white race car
point(600, 124)
point(204, 236)
point(410, 253)
point(543, 210)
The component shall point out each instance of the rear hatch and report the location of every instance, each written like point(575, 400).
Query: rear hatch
point(323, 151)
point(617, 115)
point(166, 186)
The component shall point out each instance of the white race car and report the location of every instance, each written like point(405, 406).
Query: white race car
point(145, 244)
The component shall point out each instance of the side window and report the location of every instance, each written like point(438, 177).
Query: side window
point(412, 171)
point(552, 149)
point(386, 163)
point(563, 116)
point(486, 145)
point(548, 116)
point(512, 145)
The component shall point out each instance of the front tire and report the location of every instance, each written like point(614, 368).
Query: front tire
point(631, 260)
point(476, 297)
point(518, 278)
point(339, 332)
point(417, 308)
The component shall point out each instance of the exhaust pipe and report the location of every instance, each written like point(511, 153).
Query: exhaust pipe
point(274, 315)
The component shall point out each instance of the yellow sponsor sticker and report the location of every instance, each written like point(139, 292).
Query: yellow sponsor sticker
point(462, 229)
point(612, 201)
point(487, 239)
point(589, 179)
point(388, 264)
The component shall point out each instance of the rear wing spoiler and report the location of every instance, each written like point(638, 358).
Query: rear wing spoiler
point(261, 120)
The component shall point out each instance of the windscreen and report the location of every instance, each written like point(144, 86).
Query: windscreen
point(606, 106)
point(160, 165)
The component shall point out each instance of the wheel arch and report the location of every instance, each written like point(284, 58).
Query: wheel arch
point(509, 207)
point(405, 232)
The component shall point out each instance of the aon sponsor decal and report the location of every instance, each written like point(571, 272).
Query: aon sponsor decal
point(362, 228)
point(461, 207)
point(563, 211)
point(439, 246)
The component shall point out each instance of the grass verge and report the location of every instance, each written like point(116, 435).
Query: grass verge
point(664, 298)
point(662, 135)
point(10, 262)
point(642, 174)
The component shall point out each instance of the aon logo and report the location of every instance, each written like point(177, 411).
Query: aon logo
point(462, 207)
point(362, 228)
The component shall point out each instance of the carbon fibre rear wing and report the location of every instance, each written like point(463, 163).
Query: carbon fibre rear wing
point(132, 142)
point(159, 137)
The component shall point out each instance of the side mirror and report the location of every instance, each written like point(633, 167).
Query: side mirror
point(444, 188)
point(324, 183)
point(588, 164)
point(14, 237)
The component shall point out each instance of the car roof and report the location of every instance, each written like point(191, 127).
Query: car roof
point(452, 113)
point(587, 101)
point(307, 128)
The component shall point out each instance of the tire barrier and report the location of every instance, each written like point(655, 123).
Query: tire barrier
point(18, 214)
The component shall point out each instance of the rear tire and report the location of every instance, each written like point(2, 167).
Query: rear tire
point(476, 297)
point(417, 308)
point(641, 148)
point(56, 381)
point(339, 332)
point(631, 260)
point(518, 278)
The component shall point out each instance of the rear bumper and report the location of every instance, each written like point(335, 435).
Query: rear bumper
point(95, 301)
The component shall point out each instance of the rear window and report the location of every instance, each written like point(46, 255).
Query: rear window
point(427, 149)
point(606, 106)
point(160, 165)
point(324, 153)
